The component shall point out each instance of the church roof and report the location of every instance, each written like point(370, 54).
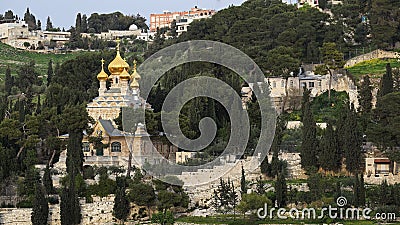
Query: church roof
point(110, 129)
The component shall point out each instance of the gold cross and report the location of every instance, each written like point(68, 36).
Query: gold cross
point(102, 63)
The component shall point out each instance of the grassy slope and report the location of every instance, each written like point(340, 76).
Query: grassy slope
point(375, 67)
point(12, 57)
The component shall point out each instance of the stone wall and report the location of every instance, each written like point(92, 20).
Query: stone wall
point(377, 54)
point(98, 212)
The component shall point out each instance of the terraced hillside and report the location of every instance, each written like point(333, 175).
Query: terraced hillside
point(12, 57)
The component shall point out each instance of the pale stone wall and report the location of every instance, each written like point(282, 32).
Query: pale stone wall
point(377, 54)
point(98, 212)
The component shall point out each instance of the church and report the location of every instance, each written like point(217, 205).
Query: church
point(107, 145)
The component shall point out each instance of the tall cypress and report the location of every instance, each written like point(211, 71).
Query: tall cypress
point(352, 141)
point(281, 190)
point(309, 143)
point(330, 157)
point(365, 96)
point(8, 81)
point(243, 186)
point(47, 181)
point(40, 209)
point(121, 204)
point(50, 72)
point(387, 82)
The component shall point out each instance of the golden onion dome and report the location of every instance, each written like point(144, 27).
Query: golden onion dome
point(102, 76)
point(124, 75)
point(134, 84)
point(118, 65)
point(135, 75)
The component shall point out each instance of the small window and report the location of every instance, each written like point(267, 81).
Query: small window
point(303, 84)
point(311, 84)
point(85, 147)
point(116, 147)
point(274, 84)
point(291, 83)
point(283, 83)
point(319, 83)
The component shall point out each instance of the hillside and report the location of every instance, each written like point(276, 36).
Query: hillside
point(12, 57)
point(375, 68)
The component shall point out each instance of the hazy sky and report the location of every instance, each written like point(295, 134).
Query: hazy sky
point(63, 13)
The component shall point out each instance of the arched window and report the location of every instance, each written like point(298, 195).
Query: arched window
point(116, 147)
point(85, 147)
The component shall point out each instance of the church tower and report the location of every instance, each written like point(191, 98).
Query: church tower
point(123, 91)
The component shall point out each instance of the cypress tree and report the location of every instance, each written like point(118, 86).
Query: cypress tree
point(70, 209)
point(8, 81)
point(309, 144)
point(275, 147)
point(49, 24)
point(356, 191)
point(281, 190)
point(352, 143)
point(387, 82)
point(243, 186)
point(121, 204)
point(47, 181)
point(330, 157)
point(50, 72)
point(361, 191)
point(40, 209)
point(365, 96)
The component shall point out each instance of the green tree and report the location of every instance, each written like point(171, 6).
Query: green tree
point(40, 209)
point(166, 218)
point(330, 157)
point(252, 202)
point(143, 195)
point(9, 81)
point(50, 72)
point(70, 209)
point(48, 181)
point(387, 82)
point(281, 190)
point(309, 145)
point(49, 24)
point(332, 59)
point(365, 96)
point(243, 184)
point(352, 143)
point(384, 130)
point(121, 204)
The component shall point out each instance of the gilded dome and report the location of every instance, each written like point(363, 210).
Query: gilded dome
point(124, 75)
point(134, 84)
point(118, 65)
point(135, 75)
point(102, 76)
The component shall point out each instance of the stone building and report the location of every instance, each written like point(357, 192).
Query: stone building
point(109, 146)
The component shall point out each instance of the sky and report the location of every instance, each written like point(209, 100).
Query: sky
point(63, 13)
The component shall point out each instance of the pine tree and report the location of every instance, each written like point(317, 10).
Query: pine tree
point(352, 142)
point(50, 72)
point(281, 190)
point(309, 144)
point(40, 209)
point(365, 96)
point(243, 185)
point(47, 181)
point(9, 82)
point(330, 157)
